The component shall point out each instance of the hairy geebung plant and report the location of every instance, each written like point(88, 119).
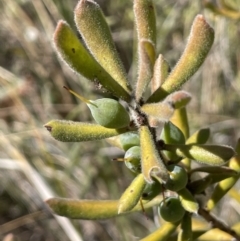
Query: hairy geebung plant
point(158, 162)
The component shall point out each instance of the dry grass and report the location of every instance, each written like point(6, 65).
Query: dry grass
point(34, 167)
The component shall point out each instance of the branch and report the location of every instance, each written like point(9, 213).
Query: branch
point(217, 223)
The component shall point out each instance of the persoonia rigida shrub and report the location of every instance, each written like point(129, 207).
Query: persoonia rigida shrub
point(151, 127)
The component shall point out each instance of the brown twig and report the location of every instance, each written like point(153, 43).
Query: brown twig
point(217, 223)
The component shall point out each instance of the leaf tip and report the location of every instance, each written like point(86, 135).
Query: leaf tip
point(120, 209)
point(49, 128)
point(60, 25)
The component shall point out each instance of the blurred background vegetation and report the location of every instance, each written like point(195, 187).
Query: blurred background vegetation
point(34, 167)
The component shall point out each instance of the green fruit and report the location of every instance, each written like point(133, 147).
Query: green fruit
point(171, 209)
point(129, 140)
point(106, 112)
point(109, 113)
point(133, 157)
point(178, 178)
point(151, 190)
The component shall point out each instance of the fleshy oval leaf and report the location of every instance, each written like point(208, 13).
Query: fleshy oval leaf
point(92, 209)
point(185, 232)
point(180, 119)
point(214, 170)
point(179, 99)
point(132, 194)
point(199, 43)
point(151, 162)
point(224, 186)
point(160, 72)
point(199, 137)
point(73, 52)
point(146, 52)
point(163, 233)
point(145, 18)
point(171, 134)
point(207, 154)
point(70, 131)
point(188, 201)
point(93, 27)
point(161, 111)
point(200, 185)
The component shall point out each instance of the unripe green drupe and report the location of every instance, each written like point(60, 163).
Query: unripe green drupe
point(132, 159)
point(171, 209)
point(129, 139)
point(151, 190)
point(178, 178)
point(109, 113)
point(106, 112)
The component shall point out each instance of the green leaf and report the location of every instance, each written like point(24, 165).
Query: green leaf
point(188, 201)
point(151, 162)
point(180, 119)
point(207, 154)
point(92, 209)
point(171, 134)
point(146, 50)
point(179, 99)
point(161, 111)
point(200, 185)
point(214, 170)
point(93, 28)
point(185, 232)
point(215, 234)
point(72, 51)
point(144, 13)
point(132, 194)
point(163, 233)
point(160, 72)
point(224, 186)
point(70, 131)
point(199, 43)
point(199, 137)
